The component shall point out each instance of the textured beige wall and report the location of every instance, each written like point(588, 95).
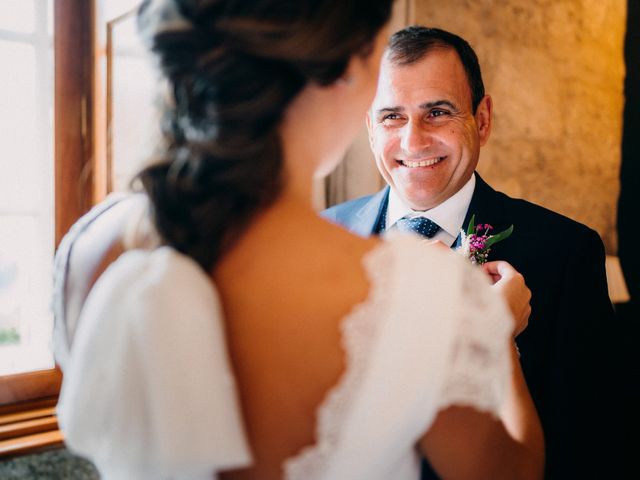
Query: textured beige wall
point(555, 70)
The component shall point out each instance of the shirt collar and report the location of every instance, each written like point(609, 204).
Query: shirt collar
point(449, 215)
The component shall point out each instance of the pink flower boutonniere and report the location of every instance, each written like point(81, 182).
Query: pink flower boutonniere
point(476, 242)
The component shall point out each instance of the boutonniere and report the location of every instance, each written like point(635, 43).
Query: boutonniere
point(476, 242)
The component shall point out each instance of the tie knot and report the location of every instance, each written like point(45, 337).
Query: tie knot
point(420, 225)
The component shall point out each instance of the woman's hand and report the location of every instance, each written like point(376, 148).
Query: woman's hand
point(510, 284)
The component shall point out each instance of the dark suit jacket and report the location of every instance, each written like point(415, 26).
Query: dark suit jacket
point(566, 355)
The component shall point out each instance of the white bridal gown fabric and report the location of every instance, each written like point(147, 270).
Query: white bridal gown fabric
point(149, 392)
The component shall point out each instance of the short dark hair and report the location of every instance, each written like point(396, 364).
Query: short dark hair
point(411, 44)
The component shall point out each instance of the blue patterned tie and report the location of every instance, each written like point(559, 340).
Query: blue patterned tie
point(420, 225)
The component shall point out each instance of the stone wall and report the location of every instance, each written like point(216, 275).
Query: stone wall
point(555, 70)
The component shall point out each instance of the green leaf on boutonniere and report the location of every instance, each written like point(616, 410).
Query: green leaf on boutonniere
point(471, 228)
point(499, 236)
point(476, 243)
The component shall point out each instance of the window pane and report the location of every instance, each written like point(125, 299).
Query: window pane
point(26, 199)
point(50, 19)
point(135, 122)
point(25, 279)
point(17, 121)
point(134, 119)
point(17, 15)
point(115, 8)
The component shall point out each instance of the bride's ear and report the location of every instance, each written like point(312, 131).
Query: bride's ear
point(364, 66)
point(345, 80)
point(356, 74)
point(351, 73)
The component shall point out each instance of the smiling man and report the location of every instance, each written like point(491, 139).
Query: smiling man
point(426, 129)
point(427, 125)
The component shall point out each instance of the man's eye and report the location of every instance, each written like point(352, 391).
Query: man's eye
point(391, 118)
point(438, 113)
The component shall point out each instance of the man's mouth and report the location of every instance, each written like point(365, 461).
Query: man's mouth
point(422, 163)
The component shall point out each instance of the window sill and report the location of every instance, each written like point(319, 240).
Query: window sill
point(29, 427)
point(28, 386)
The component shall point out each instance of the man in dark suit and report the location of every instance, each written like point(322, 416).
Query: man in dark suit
point(426, 126)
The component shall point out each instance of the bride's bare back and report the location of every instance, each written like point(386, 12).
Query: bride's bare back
point(285, 294)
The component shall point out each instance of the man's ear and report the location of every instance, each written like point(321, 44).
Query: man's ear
point(370, 130)
point(483, 118)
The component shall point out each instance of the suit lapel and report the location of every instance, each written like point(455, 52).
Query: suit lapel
point(367, 218)
point(486, 204)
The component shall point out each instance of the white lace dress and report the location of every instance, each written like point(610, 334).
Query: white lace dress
point(148, 390)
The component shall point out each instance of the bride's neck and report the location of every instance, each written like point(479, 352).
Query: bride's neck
point(299, 165)
point(309, 134)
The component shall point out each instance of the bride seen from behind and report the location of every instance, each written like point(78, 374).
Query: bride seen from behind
point(261, 341)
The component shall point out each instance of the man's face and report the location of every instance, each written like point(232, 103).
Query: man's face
point(422, 129)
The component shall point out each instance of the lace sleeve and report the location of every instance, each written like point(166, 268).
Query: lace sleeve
point(479, 362)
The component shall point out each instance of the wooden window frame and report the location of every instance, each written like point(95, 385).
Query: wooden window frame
point(74, 89)
point(27, 400)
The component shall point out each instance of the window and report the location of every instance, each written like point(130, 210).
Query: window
point(27, 199)
point(130, 107)
point(46, 49)
point(28, 224)
point(54, 103)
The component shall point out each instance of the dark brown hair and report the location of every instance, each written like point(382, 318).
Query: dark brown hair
point(233, 67)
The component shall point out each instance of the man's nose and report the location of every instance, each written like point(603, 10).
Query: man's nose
point(415, 137)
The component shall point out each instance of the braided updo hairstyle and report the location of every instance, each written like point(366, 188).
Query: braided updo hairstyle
point(233, 67)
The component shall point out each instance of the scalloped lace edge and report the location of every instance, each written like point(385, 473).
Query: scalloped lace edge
point(359, 330)
point(479, 365)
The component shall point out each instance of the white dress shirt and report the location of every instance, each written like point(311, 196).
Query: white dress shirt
point(449, 215)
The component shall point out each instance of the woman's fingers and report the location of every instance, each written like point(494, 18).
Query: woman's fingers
point(511, 285)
